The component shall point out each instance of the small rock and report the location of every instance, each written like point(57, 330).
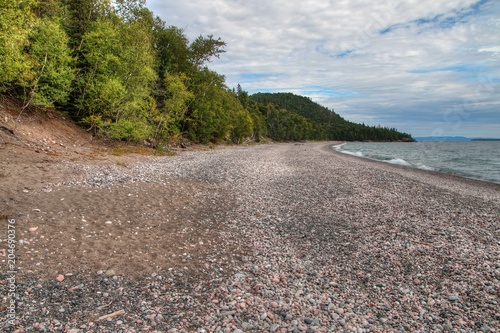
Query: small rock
point(60, 278)
point(246, 325)
point(486, 329)
point(453, 297)
point(110, 272)
point(308, 320)
point(302, 327)
point(274, 327)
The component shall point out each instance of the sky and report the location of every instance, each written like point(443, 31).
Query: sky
point(425, 67)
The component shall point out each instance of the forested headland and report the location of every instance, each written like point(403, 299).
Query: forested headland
point(122, 72)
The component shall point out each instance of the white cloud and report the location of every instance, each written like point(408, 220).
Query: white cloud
point(392, 62)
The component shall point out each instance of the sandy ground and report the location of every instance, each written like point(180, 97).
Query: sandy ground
point(133, 229)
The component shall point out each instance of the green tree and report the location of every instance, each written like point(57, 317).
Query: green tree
point(207, 119)
point(51, 71)
point(54, 9)
point(119, 73)
point(169, 120)
point(202, 49)
point(81, 15)
point(241, 121)
point(100, 87)
point(16, 19)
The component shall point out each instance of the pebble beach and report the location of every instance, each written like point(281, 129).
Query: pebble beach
point(302, 239)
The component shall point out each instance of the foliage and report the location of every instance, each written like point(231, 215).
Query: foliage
point(207, 119)
point(51, 71)
point(129, 130)
point(15, 21)
point(170, 118)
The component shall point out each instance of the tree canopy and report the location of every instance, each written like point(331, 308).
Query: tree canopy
point(122, 72)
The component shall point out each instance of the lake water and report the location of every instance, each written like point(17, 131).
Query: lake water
point(472, 159)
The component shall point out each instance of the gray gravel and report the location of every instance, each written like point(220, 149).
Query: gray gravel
point(328, 243)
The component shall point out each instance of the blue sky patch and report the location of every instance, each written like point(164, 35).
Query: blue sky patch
point(343, 54)
point(462, 68)
point(440, 21)
point(253, 76)
point(325, 91)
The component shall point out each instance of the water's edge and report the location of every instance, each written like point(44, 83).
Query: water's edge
point(474, 161)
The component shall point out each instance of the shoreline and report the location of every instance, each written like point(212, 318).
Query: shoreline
point(443, 179)
point(457, 174)
point(496, 182)
point(269, 238)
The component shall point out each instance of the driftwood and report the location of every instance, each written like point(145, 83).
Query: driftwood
point(104, 306)
point(112, 315)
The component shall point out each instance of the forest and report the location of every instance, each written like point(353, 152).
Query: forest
point(122, 73)
point(318, 122)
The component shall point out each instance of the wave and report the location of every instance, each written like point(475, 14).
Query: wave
point(425, 167)
point(399, 161)
point(339, 147)
point(353, 153)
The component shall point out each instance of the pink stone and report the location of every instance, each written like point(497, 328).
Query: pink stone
point(60, 278)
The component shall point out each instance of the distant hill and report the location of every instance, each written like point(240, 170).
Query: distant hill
point(328, 125)
point(486, 139)
point(442, 138)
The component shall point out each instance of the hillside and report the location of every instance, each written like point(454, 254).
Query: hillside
point(40, 130)
point(326, 123)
